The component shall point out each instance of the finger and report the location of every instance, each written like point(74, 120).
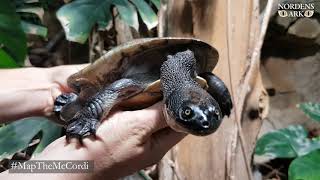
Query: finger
point(73, 142)
point(60, 74)
point(142, 123)
point(151, 117)
point(163, 140)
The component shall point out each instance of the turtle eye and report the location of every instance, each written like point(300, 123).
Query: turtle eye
point(216, 111)
point(187, 113)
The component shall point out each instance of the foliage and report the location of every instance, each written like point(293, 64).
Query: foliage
point(6, 60)
point(34, 29)
point(13, 42)
point(31, 14)
point(80, 16)
point(16, 136)
point(289, 142)
point(293, 142)
point(12, 38)
point(306, 167)
point(312, 110)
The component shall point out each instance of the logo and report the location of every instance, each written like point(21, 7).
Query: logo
point(287, 9)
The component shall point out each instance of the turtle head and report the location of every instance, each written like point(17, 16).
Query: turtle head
point(188, 107)
point(193, 111)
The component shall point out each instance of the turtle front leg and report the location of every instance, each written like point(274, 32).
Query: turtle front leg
point(86, 121)
point(219, 91)
point(81, 126)
point(62, 100)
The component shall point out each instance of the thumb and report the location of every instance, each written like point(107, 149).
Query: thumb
point(165, 139)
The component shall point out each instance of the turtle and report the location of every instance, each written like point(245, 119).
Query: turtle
point(141, 72)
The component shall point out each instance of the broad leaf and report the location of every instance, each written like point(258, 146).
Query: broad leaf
point(156, 3)
point(12, 38)
point(50, 132)
point(6, 61)
point(306, 167)
point(39, 3)
point(32, 9)
point(289, 142)
point(127, 12)
point(79, 17)
point(146, 13)
point(34, 29)
point(31, 1)
point(21, 3)
point(312, 110)
point(17, 135)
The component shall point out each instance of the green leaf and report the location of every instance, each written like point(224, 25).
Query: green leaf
point(6, 61)
point(79, 17)
point(289, 142)
point(146, 13)
point(34, 29)
point(50, 132)
point(31, 1)
point(32, 9)
point(17, 135)
point(127, 12)
point(306, 167)
point(12, 38)
point(156, 3)
point(312, 110)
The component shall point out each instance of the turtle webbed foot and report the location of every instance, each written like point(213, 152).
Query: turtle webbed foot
point(82, 127)
point(62, 100)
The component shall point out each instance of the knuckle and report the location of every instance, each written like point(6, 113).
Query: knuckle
point(140, 150)
point(139, 130)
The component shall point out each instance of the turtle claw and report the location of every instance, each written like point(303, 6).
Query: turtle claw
point(62, 100)
point(82, 127)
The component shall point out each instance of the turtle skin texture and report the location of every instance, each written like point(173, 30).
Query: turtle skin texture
point(188, 107)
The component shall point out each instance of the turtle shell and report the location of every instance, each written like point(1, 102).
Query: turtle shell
point(140, 56)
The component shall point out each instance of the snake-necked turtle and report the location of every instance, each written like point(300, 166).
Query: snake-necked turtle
point(138, 74)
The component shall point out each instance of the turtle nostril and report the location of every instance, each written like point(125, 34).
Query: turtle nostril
point(205, 124)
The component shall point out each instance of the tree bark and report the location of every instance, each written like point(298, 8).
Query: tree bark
point(237, 31)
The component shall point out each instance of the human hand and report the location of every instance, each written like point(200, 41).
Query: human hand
point(32, 91)
point(125, 142)
point(58, 75)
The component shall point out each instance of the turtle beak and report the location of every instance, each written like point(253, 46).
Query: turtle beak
point(204, 121)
